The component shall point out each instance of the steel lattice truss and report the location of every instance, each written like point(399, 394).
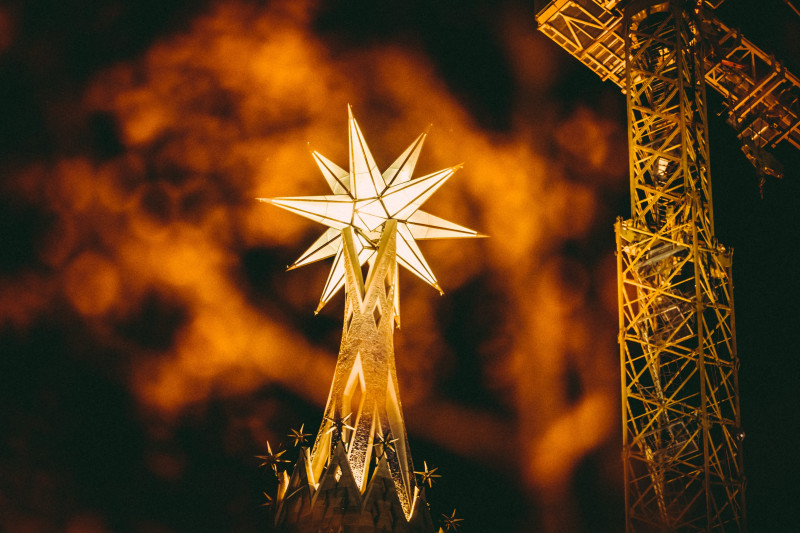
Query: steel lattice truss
point(763, 97)
point(681, 423)
point(680, 391)
point(681, 420)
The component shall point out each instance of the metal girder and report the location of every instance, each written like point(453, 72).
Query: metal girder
point(682, 456)
point(763, 97)
point(681, 425)
point(589, 31)
point(679, 366)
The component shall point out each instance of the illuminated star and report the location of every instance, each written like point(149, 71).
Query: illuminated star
point(451, 522)
point(298, 436)
point(364, 199)
point(386, 443)
point(272, 460)
point(426, 476)
point(339, 424)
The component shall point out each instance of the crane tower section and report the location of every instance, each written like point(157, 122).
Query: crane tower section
point(681, 424)
point(682, 433)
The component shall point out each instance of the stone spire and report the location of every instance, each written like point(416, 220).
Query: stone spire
point(359, 476)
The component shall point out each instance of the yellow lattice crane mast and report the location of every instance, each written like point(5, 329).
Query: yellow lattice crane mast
point(682, 433)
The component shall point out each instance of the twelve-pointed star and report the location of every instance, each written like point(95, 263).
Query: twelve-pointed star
point(365, 199)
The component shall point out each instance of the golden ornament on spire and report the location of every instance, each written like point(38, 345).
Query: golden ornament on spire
point(364, 199)
point(359, 470)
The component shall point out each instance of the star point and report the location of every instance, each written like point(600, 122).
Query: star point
point(268, 500)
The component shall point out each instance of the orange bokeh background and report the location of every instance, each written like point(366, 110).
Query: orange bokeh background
point(156, 256)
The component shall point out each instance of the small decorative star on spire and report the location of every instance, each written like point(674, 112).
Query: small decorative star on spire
point(386, 443)
point(298, 436)
point(339, 423)
point(364, 199)
point(427, 475)
point(272, 460)
point(451, 522)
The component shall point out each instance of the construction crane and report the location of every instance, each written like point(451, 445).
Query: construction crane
point(682, 434)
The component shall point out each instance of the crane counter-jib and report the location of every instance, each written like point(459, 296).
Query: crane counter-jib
point(762, 97)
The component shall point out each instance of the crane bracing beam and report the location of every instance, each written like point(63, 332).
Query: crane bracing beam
point(763, 97)
point(682, 433)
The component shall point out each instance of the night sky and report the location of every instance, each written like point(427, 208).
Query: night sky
point(151, 342)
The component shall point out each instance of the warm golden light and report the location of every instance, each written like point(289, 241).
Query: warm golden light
point(220, 113)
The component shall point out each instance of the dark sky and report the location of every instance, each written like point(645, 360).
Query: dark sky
point(87, 446)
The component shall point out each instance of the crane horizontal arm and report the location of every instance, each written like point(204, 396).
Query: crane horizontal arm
point(762, 96)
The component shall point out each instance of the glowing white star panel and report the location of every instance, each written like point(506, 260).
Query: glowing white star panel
point(365, 199)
